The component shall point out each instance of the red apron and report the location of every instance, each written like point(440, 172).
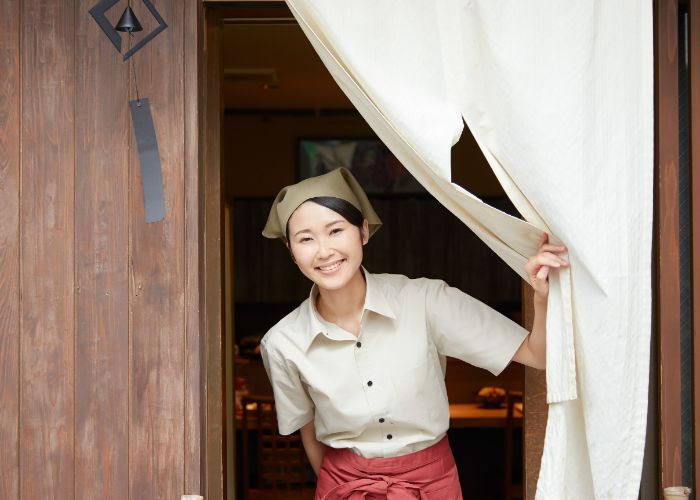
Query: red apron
point(429, 474)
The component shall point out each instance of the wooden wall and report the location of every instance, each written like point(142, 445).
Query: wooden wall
point(99, 326)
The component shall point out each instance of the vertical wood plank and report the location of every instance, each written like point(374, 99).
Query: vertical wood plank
point(212, 273)
point(668, 264)
point(101, 226)
point(694, 61)
point(535, 405)
point(194, 407)
point(157, 318)
point(9, 246)
point(47, 250)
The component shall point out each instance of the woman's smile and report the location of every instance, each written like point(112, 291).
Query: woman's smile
point(330, 268)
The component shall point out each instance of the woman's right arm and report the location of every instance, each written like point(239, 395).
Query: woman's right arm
point(314, 449)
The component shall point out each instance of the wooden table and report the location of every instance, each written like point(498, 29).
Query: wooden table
point(461, 415)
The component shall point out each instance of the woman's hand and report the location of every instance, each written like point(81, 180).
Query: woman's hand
point(533, 351)
point(314, 449)
point(538, 266)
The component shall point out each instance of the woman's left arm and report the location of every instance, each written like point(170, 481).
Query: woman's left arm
point(532, 352)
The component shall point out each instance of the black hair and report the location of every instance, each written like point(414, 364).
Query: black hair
point(339, 206)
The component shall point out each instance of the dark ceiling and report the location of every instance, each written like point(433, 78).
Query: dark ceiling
point(273, 66)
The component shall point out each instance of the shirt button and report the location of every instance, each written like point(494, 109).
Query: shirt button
point(359, 344)
point(369, 383)
point(389, 436)
point(381, 420)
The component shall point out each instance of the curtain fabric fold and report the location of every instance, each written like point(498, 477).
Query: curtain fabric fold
point(560, 100)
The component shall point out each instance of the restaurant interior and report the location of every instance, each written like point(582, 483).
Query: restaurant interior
point(284, 116)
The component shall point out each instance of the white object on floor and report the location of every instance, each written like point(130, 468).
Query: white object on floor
point(676, 492)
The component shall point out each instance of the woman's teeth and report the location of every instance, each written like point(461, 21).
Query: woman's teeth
point(331, 267)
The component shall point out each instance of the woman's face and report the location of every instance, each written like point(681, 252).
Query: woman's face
point(325, 246)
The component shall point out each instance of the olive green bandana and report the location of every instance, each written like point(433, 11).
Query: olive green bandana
point(338, 183)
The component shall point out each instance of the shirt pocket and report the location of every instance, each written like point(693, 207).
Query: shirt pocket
point(417, 387)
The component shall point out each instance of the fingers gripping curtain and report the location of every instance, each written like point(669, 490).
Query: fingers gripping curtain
point(560, 101)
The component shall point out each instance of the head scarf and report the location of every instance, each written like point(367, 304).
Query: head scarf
point(338, 183)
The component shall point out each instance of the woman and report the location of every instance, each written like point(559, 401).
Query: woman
point(359, 366)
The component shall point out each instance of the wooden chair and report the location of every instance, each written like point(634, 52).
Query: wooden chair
point(512, 490)
point(282, 467)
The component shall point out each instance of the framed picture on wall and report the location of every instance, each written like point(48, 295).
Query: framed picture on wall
point(370, 161)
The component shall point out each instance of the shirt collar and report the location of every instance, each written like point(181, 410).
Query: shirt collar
point(375, 301)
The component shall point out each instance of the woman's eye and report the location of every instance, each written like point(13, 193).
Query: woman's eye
point(337, 230)
point(305, 239)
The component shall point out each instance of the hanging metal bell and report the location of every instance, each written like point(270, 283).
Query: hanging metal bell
point(128, 22)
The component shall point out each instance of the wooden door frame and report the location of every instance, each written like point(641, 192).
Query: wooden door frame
point(217, 410)
point(200, 397)
point(666, 399)
point(211, 269)
point(667, 237)
point(660, 461)
point(694, 59)
point(217, 12)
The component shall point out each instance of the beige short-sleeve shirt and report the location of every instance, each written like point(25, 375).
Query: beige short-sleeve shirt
point(382, 394)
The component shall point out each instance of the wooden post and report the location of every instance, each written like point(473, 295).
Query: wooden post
point(212, 272)
point(668, 255)
point(694, 61)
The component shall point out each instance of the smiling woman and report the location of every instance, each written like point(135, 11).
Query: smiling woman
point(359, 367)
